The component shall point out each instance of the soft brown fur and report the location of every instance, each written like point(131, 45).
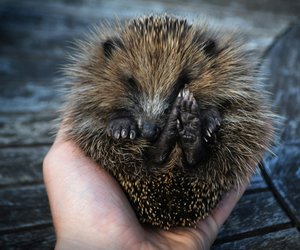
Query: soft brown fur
point(155, 50)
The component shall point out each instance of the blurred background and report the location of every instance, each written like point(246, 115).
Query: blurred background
point(34, 39)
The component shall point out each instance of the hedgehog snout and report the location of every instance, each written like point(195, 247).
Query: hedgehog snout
point(150, 130)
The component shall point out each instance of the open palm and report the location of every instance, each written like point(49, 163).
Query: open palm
point(90, 210)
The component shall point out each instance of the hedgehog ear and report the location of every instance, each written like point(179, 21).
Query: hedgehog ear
point(110, 45)
point(209, 47)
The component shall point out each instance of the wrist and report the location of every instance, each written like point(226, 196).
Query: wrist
point(66, 243)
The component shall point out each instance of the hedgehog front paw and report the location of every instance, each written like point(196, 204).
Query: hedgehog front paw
point(167, 140)
point(211, 122)
point(121, 128)
point(189, 126)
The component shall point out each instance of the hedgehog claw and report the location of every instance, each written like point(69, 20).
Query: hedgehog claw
point(122, 128)
point(209, 132)
point(132, 134)
point(124, 133)
point(211, 120)
point(117, 134)
point(186, 93)
point(180, 95)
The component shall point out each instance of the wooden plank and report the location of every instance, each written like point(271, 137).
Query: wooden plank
point(25, 44)
point(31, 33)
point(28, 69)
point(34, 19)
point(256, 22)
point(236, 8)
point(254, 211)
point(32, 238)
point(23, 207)
point(21, 165)
point(284, 172)
point(284, 239)
point(283, 65)
point(29, 96)
point(26, 129)
point(257, 182)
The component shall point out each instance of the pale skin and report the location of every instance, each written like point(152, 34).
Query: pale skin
point(90, 211)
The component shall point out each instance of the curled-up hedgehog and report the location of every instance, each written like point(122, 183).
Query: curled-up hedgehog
point(174, 112)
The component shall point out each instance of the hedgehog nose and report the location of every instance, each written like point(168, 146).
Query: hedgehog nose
point(150, 131)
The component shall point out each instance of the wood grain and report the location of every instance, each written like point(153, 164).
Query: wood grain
point(257, 182)
point(283, 167)
point(31, 238)
point(283, 172)
point(23, 207)
point(19, 166)
point(284, 239)
point(26, 129)
point(29, 96)
point(252, 212)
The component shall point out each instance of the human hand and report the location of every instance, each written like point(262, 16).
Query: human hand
point(90, 210)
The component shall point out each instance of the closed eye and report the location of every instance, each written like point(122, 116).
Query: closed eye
point(167, 110)
point(132, 87)
point(132, 84)
point(181, 81)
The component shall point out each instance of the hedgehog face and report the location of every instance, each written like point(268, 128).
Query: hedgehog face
point(146, 65)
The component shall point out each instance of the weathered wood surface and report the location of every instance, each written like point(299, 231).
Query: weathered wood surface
point(28, 96)
point(253, 212)
point(283, 66)
point(23, 207)
point(281, 169)
point(284, 173)
point(39, 238)
point(257, 183)
point(21, 165)
point(287, 239)
point(26, 129)
point(35, 38)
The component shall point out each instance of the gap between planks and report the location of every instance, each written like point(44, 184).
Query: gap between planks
point(22, 184)
point(26, 228)
point(253, 233)
point(31, 145)
point(278, 197)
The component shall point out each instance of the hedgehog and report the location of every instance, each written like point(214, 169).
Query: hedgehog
point(174, 111)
